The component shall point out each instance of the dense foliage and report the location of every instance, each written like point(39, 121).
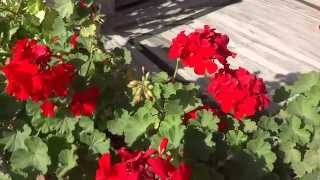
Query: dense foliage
point(71, 110)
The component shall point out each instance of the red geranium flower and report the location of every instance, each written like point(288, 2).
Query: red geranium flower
point(74, 40)
point(238, 92)
point(20, 79)
point(84, 102)
point(141, 165)
point(30, 50)
point(48, 109)
point(62, 76)
point(200, 49)
point(31, 77)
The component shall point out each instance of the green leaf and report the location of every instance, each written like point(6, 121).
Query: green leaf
point(249, 126)
point(34, 6)
point(66, 126)
point(132, 126)
point(64, 7)
point(208, 120)
point(86, 124)
point(306, 108)
point(43, 124)
point(305, 82)
point(267, 123)
point(315, 143)
point(87, 67)
point(117, 126)
point(9, 106)
point(293, 132)
point(35, 156)
point(292, 155)
point(160, 77)
point(188, 97)
point(54, 26)
point(97, 141)
point(195, 147)
point(4, 176)
point(236, 137)
point(67, 160)
point(16, 141)
point(32, 108)
point(173, 107)
point(312, 160)
point(204, 172)
point(312, 176)
point(263, 150)
point(168, 90)
point(171, 128)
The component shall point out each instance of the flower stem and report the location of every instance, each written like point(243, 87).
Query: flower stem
point(175, 70)
point(90, 59)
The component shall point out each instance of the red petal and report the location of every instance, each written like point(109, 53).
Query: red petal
point(182, 173)
point(48, 109)
point(163, 145)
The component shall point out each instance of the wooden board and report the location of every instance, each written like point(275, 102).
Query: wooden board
point(278, 38)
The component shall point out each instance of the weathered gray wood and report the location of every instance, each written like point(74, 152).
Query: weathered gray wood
point(138, 59)
point(120, 3)
point(108, 6)
point(274, 37)
point(277, 38)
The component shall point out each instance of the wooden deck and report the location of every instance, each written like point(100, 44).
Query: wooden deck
point(276, 38)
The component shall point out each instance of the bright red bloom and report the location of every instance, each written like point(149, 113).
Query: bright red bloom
point(30, 50)
point(20, 79)
point(30, 76)
point(74, 40)
point(141, 165)
point(182, 173)
point(238, 92)
point(48, 109)
point(62, 76)
point(84, 102)
point(200, 49)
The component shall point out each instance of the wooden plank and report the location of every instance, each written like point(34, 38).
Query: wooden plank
point(286, 44)
point(139, 60)
point(314, 2)
point(156, 15)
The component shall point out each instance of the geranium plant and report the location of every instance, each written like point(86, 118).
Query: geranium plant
point(72, 110)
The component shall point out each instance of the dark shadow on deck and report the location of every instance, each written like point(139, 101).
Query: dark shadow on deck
point(156, 16)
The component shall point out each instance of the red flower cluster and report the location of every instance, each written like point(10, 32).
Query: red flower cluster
point(193, 115)
point(238, 92)
point(31, 77)
point(200, 49)
point(84, 102)
point(141, 165)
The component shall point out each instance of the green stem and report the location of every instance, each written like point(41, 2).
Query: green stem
point(175, 70)
point(90, 59)
point(18, 11)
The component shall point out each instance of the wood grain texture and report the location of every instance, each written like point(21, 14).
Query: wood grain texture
point(273, 37)
point(276, 38)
